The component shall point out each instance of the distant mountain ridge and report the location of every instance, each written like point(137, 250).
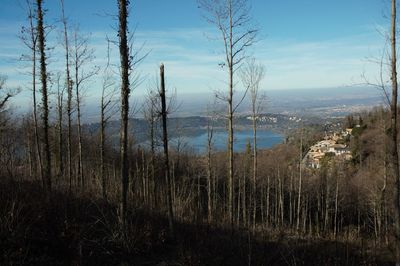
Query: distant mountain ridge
point(336, 102)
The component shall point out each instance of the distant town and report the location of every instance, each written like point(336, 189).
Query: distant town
point(334, 144)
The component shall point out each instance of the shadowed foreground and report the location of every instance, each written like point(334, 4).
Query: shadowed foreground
point(78, 231)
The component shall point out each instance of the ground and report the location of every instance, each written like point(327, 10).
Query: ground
point(78, 230)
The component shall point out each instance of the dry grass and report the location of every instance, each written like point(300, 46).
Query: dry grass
point(68, 230)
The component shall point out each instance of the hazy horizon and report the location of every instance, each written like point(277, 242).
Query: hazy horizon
point(277, 101)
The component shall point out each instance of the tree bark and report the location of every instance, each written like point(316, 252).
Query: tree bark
point(230, 120)
point(209, 171)
point(300, 183)
point(33, 46)
point(166, 158)
point(150, 115)
point(335, 228)
point(60, 129)
point(78, 109)
point(153, 155)
point(69, 97)
point(394, 145)
point(125, 90)
point(45, 104)
point(102, 146)
point(255, 162)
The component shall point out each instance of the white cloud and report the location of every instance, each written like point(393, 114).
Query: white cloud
point(191, 59)
point(336, 62)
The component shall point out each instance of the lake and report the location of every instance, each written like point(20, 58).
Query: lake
point(265, 139)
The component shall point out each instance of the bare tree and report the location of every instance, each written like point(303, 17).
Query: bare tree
point(232, 19)
point(107, 109)
point(252, 75)
point(387, 78)
point(210, 135)
point(393, 118)
point(69, 84)
point(6, 93)
point(164, 114)
point(60, 100)
point(82, 55)
point(151, 116)
point(45, 103)
point(125, 90)
point(300, 181)
point(29, 38)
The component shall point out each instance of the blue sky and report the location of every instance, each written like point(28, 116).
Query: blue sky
point(303, 44)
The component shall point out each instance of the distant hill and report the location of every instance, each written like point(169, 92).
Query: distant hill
point(196, 125)
point(324, 102)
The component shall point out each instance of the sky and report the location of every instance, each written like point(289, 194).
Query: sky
point(302, 44)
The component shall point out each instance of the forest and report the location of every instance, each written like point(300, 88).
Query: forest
point(73, 197)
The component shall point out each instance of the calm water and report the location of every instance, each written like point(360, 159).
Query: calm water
point(265, 139)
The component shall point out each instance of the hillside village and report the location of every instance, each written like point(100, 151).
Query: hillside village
point(332, 144)
point(273, 118)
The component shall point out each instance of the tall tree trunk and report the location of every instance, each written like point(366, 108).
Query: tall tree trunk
point(254, 164)
point(232, 19)
point(336, 206)
point(383, 196)
point(34, 40)
point(144, 179)
point(394, 145)
point(215, 193)
point(199, 210)
point(239, 195)
point(291, 203)
point(45, 104)
point(153, 156)
point(78, 109)
point(60, 137)
point(60, 131)
point(166, 158)
point(281, 179)
point(102, 147)
point(326, 210)
point(30, 154)
point(267, 202)
point(245, 210)
point(35, 120)
point(69, 97)
point(300, 183)
point(251, 75)
point(262, 211)
point(230, 120)
point(125, 90)
point(209, 171)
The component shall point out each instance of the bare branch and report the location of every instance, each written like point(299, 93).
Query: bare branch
point(8, 92)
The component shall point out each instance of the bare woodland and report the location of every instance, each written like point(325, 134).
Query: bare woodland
point(66, 192)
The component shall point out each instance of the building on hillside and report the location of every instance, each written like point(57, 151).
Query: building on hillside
point(347, 132)
point(339, 149)
point(329, 145)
